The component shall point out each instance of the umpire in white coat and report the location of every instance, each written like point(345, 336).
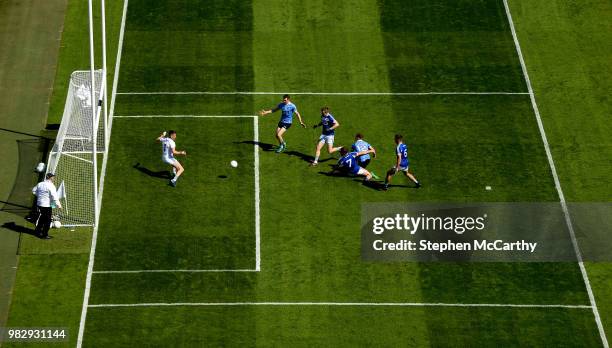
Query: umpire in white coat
point(46, 199)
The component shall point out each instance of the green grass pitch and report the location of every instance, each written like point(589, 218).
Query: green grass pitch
point(309, 222)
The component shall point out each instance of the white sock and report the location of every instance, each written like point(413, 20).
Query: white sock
point(176, 177)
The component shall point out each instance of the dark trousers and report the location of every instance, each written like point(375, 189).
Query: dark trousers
point(44, 221)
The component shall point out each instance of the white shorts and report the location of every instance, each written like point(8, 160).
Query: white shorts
point(168, 160)
point(329, 139)
point(362, 171)
point(401, 169)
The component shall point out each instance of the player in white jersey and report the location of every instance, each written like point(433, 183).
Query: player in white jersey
point(168, 153)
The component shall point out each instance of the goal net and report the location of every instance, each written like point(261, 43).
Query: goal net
point(71, 159)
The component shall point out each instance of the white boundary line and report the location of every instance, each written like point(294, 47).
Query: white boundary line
point(185, 116)
point(553, 169)
point(175, 271)
point(360, 304)
point(322, 93)
point(256, 174)
point(94, 237)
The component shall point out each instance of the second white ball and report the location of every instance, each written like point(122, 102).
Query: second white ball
point(234, 164)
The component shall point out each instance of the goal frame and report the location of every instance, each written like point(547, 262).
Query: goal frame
point(76, 143)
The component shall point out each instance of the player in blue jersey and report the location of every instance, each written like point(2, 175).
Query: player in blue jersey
point(402, 164)
point(362, 145)
point(348, 163)
point(287, 109)
point(329, 125)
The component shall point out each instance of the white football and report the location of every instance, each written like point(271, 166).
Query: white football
point(57, 224)
point(234, 164)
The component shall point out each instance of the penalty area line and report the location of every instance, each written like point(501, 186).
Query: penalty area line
point(173, 271)
point(357, 304)
point(322, 93)
point(185, 116)
point(257, 209)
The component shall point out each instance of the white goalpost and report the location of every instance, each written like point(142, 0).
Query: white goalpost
point(79, 146)
point(83, 138)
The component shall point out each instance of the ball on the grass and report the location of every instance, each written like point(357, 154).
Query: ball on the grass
point(57, 224)
point(234, 164)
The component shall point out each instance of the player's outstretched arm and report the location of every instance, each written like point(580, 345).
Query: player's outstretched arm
point(268, 111)
point(300, 118)
point(365, 152)
point(175, 152)
point(162, 135)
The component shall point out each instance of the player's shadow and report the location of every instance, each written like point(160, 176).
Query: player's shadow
point(336, 173)
point(162, 174)
point(374, 185)
point(19, 229)
point(379, 184)
point(269, 147)
point(263, 146)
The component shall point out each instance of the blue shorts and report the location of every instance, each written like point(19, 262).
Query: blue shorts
point(355, 170)
point(284, 125)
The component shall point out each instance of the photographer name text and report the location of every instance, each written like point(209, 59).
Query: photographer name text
point(449, 245)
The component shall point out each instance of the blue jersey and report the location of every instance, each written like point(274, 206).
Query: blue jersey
point(287, 111)
point(402, 151)
point(349, 161)
point(361, 145)
point(327, 121)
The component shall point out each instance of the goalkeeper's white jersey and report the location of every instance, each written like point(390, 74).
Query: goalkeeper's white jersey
point(167, 146)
